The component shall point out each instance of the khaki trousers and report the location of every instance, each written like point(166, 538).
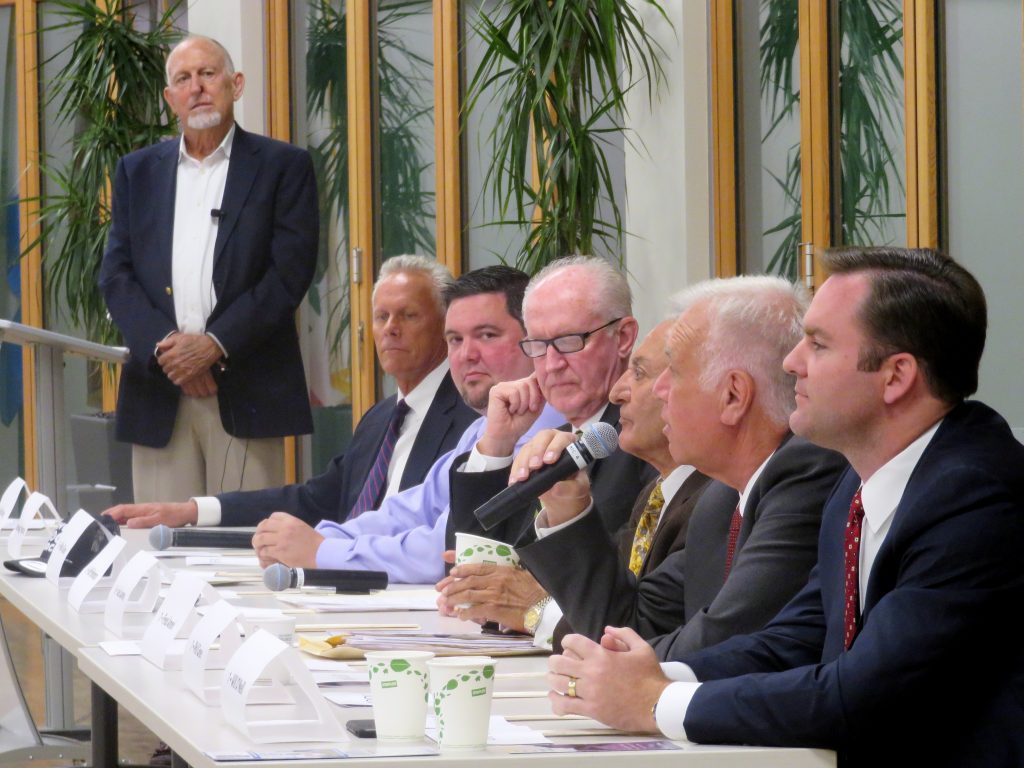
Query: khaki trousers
point(203, 460)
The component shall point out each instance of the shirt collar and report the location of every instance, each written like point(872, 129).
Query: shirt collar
point(592, 420)
point(882, 492)
point(750, 483)
point(224, 148)
point(671, 484)
point(422, 395)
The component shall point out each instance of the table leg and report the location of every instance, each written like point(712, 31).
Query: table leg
point(104, 729)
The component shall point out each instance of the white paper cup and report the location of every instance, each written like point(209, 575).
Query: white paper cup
point(461, 688)
point(398, 688)
point(479, 549)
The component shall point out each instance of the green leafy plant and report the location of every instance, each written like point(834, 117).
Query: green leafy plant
point(110, 91)
point(551, 70)
point(870, 92)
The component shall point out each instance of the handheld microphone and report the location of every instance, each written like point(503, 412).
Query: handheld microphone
point(598, 441)
point(279, 576)
point(163, 537)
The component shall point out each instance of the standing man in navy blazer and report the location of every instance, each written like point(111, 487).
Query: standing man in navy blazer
point(900, 649)
point(212, 247)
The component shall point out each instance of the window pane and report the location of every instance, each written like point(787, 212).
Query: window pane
point(769, 126)
point(319, 109)
point(872, 146)
point(405, 61)
point(11, 458)
point(985, 123)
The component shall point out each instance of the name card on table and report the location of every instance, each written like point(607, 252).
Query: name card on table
point(34, 507)
point(265, 656)
point(66, 540)
point(9, 500)
point(93, 573)
point(135, 591)
point(201, 658)
point(172, 620)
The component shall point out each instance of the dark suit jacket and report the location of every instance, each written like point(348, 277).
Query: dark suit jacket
point(685, 595)
point(615, 483)
point(264, 259)
point(936, 674)
point(332, 494)
point(669, 537)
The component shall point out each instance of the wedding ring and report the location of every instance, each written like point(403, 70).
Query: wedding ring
point(570, 690)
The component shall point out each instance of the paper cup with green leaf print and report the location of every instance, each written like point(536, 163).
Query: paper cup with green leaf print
point(461, 688)
point(398, 688)
point(478, 549)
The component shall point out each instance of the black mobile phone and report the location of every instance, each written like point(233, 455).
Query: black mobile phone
point(363, 729)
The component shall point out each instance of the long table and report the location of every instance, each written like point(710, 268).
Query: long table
point(160, 700)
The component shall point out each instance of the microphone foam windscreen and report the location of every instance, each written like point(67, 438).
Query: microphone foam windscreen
point(160, 537)
point(277, 577)
point(600, 439)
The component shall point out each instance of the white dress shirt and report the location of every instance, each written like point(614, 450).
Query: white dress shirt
point(199, 191)
point(880, 494)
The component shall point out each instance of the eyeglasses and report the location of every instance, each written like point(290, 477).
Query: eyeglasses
point(567, 344)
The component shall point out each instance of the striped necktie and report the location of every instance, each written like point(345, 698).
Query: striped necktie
point(373, 489)
point(851, 569)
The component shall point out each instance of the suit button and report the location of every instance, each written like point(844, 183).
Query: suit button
point(167, 290)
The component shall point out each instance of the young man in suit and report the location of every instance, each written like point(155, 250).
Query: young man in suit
point(212, 246)
point(897, 651)
point(514, 598)
point(408, 334)
point(728, 417)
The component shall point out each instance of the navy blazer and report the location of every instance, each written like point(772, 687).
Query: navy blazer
point(264, 259)
point(332, 494)
point(936, 674)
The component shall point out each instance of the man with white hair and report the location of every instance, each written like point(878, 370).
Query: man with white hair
point(727, 402)
point(212, 246)
point(580, 333)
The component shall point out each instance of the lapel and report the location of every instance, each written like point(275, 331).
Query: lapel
point(163, 196)
point(435, 426)
point(766, 480)
point(242, 170)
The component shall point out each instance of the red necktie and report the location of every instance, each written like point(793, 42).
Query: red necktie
point(372, 493)
point(851, 568)
point(734, 534)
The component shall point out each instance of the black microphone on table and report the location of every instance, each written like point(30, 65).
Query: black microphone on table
point(598, 441)
point(279, 577)
point(163, 537)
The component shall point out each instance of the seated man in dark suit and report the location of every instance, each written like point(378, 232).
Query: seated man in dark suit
point(580, 332)
point(408, 332)
point(899, 649)
point(657, 527)
point(742, 561)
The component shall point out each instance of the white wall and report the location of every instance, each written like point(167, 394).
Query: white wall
point(238, 26)
point(668, 182)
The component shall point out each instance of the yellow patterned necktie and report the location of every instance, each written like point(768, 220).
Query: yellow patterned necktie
point(645, 529)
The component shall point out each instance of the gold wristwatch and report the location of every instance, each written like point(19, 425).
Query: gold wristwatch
point(534, 613)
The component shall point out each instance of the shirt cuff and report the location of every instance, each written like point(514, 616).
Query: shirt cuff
point(478, 462)
point(216, 341)
point(540, 523)
point(678, 672)
point(670, 712)
point(209, 510)
point(544, 635)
